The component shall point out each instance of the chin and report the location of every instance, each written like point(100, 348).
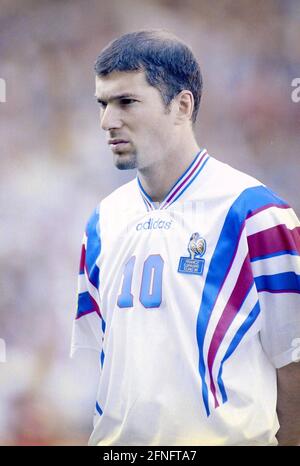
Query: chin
point(125, 162)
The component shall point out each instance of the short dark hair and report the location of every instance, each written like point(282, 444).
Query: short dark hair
point(168, 63)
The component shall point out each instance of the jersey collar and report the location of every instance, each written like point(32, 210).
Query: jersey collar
point(181, 184)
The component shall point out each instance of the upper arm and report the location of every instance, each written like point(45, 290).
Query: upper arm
point(274, 249)
point(88, 327)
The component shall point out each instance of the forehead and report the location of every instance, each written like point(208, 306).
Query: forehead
point(120, 82)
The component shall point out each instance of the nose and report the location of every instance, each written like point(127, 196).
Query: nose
point(110, 119)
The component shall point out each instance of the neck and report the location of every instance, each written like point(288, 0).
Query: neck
point(158, 179)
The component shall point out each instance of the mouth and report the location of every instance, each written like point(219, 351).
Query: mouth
point(117, 143)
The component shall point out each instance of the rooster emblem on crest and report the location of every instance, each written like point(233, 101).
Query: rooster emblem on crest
point(196, 246)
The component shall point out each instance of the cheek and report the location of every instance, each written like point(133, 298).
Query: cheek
point(152, 128)
point(158, 125)
point(162, 132)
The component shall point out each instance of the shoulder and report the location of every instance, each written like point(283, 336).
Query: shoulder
point(248, 194)
point(229, 179)
point(112, 206)
point(120, 197)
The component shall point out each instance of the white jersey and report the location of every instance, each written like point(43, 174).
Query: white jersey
point(192, 306)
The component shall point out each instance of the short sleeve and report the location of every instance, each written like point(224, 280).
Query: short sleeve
point(273, 235)
point(88, 324)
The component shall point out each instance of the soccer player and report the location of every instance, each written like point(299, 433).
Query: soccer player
point(189, 276)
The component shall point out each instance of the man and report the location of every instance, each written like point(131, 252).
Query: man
point(189, 277)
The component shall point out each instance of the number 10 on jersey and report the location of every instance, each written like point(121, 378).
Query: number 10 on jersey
point(150, 284)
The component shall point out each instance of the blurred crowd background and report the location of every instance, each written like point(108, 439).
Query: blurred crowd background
point(55, 165)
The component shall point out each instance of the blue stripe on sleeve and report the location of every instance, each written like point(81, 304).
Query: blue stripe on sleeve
point(103, 325)
point(85, 304)
point(84, 301)
point(102, 356)
point(98, 408)
point(279, 283)
point(93, 248)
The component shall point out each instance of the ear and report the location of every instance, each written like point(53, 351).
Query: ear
point(185, 106)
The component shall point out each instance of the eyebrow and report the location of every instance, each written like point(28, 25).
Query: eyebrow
point(127, 95)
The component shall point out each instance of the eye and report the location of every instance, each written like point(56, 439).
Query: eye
point(127, 101)
point(102, 104)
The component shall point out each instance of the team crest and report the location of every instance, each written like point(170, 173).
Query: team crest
point(194, 264)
